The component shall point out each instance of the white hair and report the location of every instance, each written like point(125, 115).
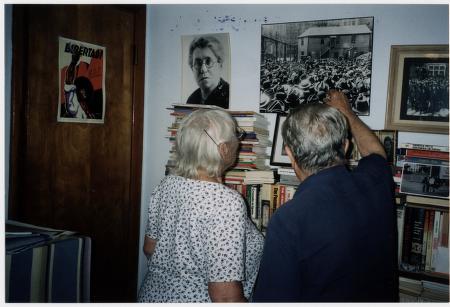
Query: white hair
point(195, 148)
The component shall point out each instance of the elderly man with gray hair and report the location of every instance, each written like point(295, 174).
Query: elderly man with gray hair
point(336, 240)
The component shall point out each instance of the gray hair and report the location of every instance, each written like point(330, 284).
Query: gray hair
point(316, 134)
point(195, 149)
point(206, 42)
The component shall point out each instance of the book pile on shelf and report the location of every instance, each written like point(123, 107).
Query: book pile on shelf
point(253, 148)
point(413, 290)
point(251, 176)
point(287, 176)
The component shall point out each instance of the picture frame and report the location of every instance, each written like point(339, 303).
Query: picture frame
point(301, 61)
point(427, 178)
point(418, 89)
point(278, 156)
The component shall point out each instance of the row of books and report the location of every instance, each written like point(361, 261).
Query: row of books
point(264, 199)
point(423, 239)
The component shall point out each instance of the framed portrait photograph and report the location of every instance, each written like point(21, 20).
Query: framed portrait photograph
point(206, 69)
point(301, 61)
point(425, 179)
point(388, 139)
point(418, 89)
point(278, 155)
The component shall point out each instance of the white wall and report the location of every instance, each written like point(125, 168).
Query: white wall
point(393, 24)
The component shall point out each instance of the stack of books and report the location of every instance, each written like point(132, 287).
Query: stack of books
point(420, 290)
point(253, 150)
point(410, 289)
point(179, 112)
point(434, 292)
point(253, 147)
point(287, 176)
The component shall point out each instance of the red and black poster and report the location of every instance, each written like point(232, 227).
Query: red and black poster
point(81, 82)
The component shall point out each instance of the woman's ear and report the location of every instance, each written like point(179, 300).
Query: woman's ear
point(223, 150)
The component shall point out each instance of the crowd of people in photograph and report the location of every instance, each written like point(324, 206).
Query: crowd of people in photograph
point(287, 84)
point(428, 97)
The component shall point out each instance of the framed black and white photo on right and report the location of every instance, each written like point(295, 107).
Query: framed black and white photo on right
point(418, 89)
point(425, 179)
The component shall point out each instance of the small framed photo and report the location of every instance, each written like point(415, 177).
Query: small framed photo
point(425, 179)
point(278, 156)
point(418, 89)
point(388, 139)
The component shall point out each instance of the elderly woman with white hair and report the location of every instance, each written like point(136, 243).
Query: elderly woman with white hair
point(200, 243)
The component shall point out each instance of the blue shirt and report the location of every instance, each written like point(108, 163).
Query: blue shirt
point(335, 241)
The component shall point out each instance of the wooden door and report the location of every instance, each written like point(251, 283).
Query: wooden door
point(78, 176)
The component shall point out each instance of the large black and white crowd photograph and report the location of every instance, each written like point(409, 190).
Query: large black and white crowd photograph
point(301, 61)
point(425, 90)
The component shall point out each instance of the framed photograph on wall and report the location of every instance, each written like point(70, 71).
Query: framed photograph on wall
point(425, 179)
point(418, 89)
point(278, 156)
point(301, 61)
point(206, 69)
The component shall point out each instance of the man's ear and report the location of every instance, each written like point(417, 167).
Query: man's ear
point(346, 146)
point(290, 155)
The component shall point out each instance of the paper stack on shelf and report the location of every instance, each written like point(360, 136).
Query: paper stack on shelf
point(410, 287)
point(434, 292)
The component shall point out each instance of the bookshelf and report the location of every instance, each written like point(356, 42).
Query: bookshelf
point(423, 222)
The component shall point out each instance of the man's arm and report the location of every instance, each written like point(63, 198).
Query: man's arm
point(367, 142)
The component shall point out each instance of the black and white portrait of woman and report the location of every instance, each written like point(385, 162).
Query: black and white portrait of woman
point(206, 69)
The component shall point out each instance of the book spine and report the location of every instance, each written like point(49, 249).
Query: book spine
point(430, 154)
point(407, 234)
point(274, 203)
point(282, 194)
point(423, 147)
point(400, 225)
point(436, 228)
point(429, 241)
point(417, 238)
point(444, 230)
point(426, 227)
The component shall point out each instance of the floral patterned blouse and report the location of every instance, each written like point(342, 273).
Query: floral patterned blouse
point(203, 235)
